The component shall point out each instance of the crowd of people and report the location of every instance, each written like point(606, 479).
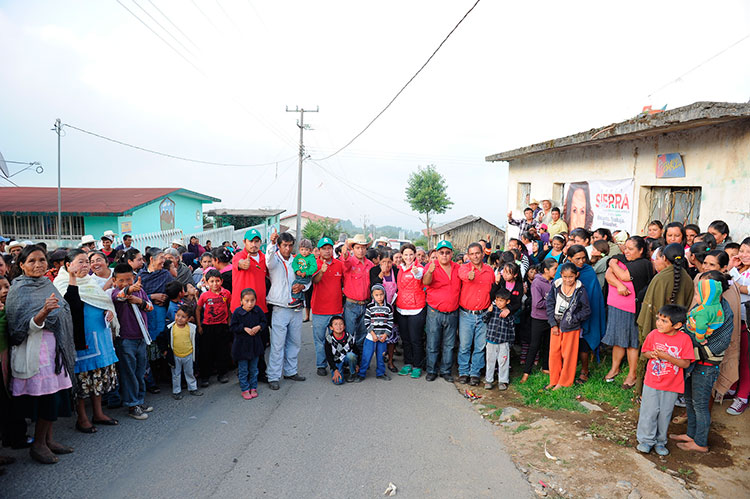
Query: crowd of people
point(102, 326)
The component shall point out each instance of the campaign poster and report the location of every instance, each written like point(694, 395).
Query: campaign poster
point(599, 203)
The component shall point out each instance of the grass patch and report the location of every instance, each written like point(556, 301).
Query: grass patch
point(521, 427)
point(490, 406)
point(685, 473)
point(594, 390)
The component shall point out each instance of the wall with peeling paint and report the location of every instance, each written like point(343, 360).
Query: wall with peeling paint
point(716, 158)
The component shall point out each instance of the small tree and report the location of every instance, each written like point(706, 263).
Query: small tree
point(426, 193)
point(316, 230)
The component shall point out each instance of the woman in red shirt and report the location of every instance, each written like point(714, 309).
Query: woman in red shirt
point(411, 312)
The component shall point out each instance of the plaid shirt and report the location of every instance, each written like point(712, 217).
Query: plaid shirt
point(523, 225)
point(499, 329)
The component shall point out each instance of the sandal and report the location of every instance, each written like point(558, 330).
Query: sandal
point(393, 369)
point(626, 386)
point(90, 429)
point(106, 422)
point(60, 448)
point(44, 458)
point(679, 420)
point(610, 380)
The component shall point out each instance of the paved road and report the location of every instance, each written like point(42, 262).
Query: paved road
point(309, 439)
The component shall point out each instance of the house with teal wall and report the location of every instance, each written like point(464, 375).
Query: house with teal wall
point(31, 212)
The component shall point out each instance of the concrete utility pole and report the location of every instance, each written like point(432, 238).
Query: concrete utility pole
point(302, 126)
point(58, 131)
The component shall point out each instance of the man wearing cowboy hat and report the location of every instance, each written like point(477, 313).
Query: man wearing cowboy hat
point(356, 287)
point(15, 248)
point(545, 214)
point(107, 239)
point(326, 300)
point(88, 243)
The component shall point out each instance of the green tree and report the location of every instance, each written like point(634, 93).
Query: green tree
point(316, 230)
point(426, 193)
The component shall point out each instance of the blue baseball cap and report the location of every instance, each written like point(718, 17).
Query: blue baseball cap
point(323, 241)
point(444, 244)
point(252, 234)
point(3, 240)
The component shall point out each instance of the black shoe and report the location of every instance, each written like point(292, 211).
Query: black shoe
point(296, 377)
point(273, 385)
point(463, 379)
point(384, 377)
point(474, 381)
point(447, 377)
point(204, 383)
point(153, 389)
point(431, 377)
point(359, 379)
point(223, 378)
point(322, 371)
point(351, 378)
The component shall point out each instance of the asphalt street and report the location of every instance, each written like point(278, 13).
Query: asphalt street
point(308, 439)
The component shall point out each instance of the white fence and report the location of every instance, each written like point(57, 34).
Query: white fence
point(216, 236)
point(161, 239)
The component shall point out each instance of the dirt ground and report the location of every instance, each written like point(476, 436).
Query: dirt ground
point(593, 454)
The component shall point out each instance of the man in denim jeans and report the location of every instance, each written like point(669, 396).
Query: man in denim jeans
point(326, 300)
point(476, 283)
point(356, 287)
point(443, 286)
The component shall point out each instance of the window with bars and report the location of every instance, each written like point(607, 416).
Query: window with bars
point(35, 227)
point(524, 193)
point(673, 204)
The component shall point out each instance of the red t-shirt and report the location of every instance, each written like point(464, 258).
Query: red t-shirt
point(663, 375)
point(254, 277)
point(357, 278)
point(327, 295)
point(475, 293)
point(442, 293)
point(214, 306)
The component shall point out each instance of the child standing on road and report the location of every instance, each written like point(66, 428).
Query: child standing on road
point(247, 347)
point(304, 266)
point(379, 326)
point(178, 347)
point(212, 314)
point(567, 309)
point(668, 350)
point(339, 349)
point(501, 333)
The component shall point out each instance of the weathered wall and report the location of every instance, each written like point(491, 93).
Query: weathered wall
point(464, 235)
point(716, 158)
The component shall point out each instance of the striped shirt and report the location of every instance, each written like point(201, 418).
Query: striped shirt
point(378, 319)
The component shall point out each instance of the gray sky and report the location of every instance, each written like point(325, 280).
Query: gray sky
point(511, 75)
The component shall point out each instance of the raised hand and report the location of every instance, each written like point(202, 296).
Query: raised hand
point(136, 287)
point(470, 275)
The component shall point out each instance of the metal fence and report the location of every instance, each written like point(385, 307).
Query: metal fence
point(216, 236)
point(162, 239)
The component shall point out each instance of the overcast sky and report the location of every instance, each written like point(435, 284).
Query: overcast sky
point(513, 74)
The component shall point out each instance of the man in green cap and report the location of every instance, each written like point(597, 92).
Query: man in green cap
point(327, 299)
point(443, 287)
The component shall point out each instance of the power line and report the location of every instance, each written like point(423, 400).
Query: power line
point(404, 87)
point(173, 24)
point(699, 65)
point(164, 29)
point(172, 156)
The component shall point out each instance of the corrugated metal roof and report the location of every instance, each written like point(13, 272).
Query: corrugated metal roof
point(311, 216)
point(93, 201)
point(456, 223)
point(246, 213)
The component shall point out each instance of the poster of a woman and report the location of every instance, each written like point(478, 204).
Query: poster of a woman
point(578, 210)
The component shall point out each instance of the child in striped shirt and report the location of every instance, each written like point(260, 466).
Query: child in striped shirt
point(379, 327)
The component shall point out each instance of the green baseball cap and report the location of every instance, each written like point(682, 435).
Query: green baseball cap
point(444, 244)
point(323, 241)
point(252, 234)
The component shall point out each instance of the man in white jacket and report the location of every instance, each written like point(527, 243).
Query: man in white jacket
point(286, 322)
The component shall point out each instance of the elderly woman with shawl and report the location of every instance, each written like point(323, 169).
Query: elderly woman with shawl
point(43, 352)
point(154, 279)
point(94, 322)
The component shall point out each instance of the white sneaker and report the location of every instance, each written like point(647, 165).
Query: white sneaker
point(737, 407)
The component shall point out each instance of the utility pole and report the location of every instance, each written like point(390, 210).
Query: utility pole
point(58, 130)
point(302, 126)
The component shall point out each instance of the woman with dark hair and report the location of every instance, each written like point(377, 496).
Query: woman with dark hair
point(411, 316)
point(153, 281)
point(739, 271)
point(134, 258)
point(43, 351)
point(720, 230)
point(578, 210)
point(594, 327)
point(223, 263)
point(691, 230)
point(655, 229)
point(706, 237)
point(94, 320)
point(101, 273)
point(195, 247)
point(628, 277)
point(674, 232)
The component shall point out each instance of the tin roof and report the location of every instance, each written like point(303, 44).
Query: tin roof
point(245, 213)
point(695, 115)
point(86, 201)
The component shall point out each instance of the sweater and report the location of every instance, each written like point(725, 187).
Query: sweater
point(499, 329)
point(539, 290)
point(337, 348)
point(165, 342)
point(245, 346)
point(658, 294)
point(577, 312)
point(378, 319)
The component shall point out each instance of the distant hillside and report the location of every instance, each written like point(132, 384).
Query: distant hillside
point(390, 231)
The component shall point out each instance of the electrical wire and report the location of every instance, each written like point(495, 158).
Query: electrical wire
point(404, 87)
point(164, 29)
point(699, 65)
point(173, 24)
point(171, 156)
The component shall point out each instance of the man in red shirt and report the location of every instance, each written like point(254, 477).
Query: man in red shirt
point(443, 287)
point(474, 300)
point(356, 287)
point(326, 299)
point(250, 271)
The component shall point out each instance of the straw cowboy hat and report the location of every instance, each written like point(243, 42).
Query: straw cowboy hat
point(360, 239)
point(87, 239)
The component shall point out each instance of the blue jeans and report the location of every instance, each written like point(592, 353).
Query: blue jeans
point(132, 355)
point(441, 331)
point(368, 349)
point(351, 359)
point(698, 388)
point(304, 281)
point(286, 338)
point(247, 372)
point(354, 318)
point(472, 330)
point(319, 325)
